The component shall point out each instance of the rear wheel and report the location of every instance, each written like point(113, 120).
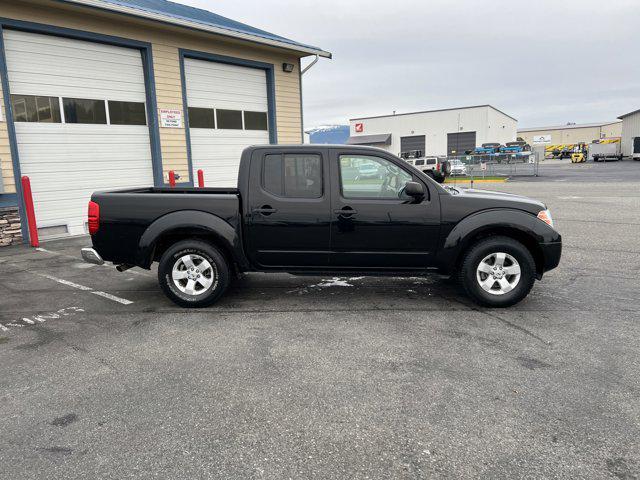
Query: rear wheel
point(193, 274)
point(497, 272)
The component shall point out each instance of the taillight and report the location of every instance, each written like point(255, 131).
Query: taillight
point(94, 217)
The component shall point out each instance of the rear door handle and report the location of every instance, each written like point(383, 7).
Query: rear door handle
point(345, 212)
point(265, 210)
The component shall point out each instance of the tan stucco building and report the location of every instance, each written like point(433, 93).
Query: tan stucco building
point(101, 94)
point(573, 133)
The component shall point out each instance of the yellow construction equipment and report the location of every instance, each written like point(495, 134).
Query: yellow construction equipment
point(578, 157)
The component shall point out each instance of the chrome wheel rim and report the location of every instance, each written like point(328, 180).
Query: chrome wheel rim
point(498, 273)
point(193, 274)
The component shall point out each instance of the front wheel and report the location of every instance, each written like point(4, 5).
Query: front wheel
point(193, 274)
point(497, 272)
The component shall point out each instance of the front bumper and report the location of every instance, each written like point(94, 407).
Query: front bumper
point(551, 252)
point(89, 255)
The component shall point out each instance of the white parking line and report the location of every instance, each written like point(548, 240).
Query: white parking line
point(108, 296)
point(65, 282)
point(30, 322)
point(123, 301)
point(3, 328)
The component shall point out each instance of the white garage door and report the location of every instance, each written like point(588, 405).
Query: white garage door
point(228, 111)
point(80, 117)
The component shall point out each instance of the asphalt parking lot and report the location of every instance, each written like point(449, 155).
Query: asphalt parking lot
point(303, 377)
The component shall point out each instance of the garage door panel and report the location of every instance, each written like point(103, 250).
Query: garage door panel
point(96, 70)
point(114, 167)
point(24, 83)
point(95, 141)
point(68, 48)
point(230, 105)
point(459, 143)
point(204, 68)
point(231, 102)
point(68, 162)
point(222, 86)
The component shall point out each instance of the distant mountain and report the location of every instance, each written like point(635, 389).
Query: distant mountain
point(333, 134)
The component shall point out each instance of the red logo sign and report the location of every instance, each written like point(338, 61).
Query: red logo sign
point(359, 127)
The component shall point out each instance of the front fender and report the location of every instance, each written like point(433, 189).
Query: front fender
point(517, 223)
point(189, 221)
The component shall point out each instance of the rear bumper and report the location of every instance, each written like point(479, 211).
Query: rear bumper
point(89, 255)
point(552, 252)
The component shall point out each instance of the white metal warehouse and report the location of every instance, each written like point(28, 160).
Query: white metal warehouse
point(451, 131)
point(107, 94)
point(631, 134)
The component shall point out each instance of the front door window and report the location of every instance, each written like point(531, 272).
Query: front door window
point(364, 176)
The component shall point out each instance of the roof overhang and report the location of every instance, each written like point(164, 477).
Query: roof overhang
point(382, 138)
point(160, 17)
point(628, 114)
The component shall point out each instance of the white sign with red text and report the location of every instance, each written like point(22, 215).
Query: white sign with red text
point(170, 118)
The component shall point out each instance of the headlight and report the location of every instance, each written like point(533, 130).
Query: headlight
point(545, 216)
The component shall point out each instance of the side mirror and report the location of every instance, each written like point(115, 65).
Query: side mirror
point(414, 189)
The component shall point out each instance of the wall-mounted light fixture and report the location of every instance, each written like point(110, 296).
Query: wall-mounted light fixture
point(288, 67)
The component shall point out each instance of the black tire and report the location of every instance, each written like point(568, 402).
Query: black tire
point(479, 251)
point(220, 275)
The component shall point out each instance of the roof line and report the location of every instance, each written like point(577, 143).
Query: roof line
point(227, 32)
point(433, 111)
point(627, 114)
point(568, 127)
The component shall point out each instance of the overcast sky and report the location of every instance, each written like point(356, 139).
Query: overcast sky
point(545, 62)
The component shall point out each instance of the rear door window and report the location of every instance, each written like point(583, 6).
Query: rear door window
point(292, 175)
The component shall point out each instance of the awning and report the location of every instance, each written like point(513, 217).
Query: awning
point(382, 138)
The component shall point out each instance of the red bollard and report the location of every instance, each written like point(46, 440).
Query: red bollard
point(200, 179)
point(31, 212)
point(172, 178)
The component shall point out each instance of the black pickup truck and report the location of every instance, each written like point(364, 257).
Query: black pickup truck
point(325, 209)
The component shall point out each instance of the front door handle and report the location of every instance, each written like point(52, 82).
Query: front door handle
point(345, 212)
point(265, 210)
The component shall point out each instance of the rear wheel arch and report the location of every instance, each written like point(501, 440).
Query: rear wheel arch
point(187, 224)
point(171, 237)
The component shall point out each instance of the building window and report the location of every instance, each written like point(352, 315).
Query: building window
point(127, 113)
point(292, 175)
point(255, 121)
point(229, 119)
point(30, 108)
point(79, 110)
point(201, 118)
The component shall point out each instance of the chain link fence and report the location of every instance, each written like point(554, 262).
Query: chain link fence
point(495, 166)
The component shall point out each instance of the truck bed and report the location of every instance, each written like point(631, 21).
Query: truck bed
point(125, 215)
